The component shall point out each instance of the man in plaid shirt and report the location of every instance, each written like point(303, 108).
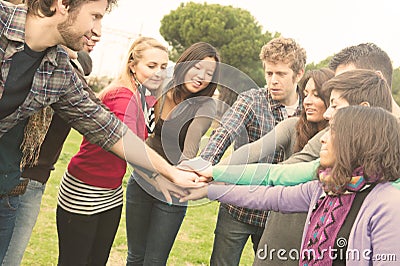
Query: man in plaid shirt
point(254, 114)
point(35, 73)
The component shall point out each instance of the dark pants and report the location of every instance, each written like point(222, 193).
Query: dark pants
point(230, 238)
point(151, 226)
point(280, 243)
point(86, 239)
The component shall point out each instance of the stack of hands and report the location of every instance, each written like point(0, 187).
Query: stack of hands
point(189, 183)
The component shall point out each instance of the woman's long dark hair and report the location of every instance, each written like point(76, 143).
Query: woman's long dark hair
point(305, 129)
point(186, 61)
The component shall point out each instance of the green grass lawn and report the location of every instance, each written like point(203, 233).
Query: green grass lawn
point(192, 247)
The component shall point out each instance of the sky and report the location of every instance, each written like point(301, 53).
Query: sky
point(321, 27)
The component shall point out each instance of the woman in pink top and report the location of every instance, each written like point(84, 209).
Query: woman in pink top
point(90, 197)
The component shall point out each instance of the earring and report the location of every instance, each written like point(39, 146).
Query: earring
point(137, 82)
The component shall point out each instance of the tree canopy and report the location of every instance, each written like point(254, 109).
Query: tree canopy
point(396, 85)
point(233, 31)
point(323, 63)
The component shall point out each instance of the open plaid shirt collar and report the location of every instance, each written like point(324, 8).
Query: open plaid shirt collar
point(54, 84)
point(258, 217)
point(14, 25)
point(256, 127)
point(13, 28)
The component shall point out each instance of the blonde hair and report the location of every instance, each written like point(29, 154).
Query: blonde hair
point(284, 50)
point(133, 57)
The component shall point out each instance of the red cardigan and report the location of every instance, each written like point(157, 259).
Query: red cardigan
point(97, 167)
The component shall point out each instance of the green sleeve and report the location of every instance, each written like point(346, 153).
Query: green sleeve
point(266, 174)
point(396, 183)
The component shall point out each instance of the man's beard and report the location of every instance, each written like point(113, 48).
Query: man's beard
point(71, 38)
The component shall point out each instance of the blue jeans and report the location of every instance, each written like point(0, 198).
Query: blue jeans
point(27, 214)
point(151, 226)
point(8, 210)
point(230, 238)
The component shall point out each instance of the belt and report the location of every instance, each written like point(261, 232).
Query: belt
point(17, 190)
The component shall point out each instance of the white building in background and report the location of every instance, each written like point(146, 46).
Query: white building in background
point(109, 53)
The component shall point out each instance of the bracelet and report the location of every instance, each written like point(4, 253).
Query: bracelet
point(154, 175)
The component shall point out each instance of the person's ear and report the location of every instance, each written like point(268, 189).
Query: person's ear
point(62, 6)
point(132, 68)
point(379, 73)
point(299, 75)
point(365, 104)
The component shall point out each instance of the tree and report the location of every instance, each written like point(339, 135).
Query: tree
point(323, 63)
point(233, 31)
point(396, 85)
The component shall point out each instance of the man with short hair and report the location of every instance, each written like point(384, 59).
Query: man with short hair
point(254, 114)
point(35, 74)
point(38, 174)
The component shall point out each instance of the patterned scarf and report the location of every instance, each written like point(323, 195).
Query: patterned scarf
point(328, 217)
point(355, 184)
point(148, 108)
point(34, 134)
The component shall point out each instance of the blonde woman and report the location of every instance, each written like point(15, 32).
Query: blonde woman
point(91, 196)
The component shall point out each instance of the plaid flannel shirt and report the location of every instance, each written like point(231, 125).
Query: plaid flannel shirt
point(55, 84)
point(253, 115)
